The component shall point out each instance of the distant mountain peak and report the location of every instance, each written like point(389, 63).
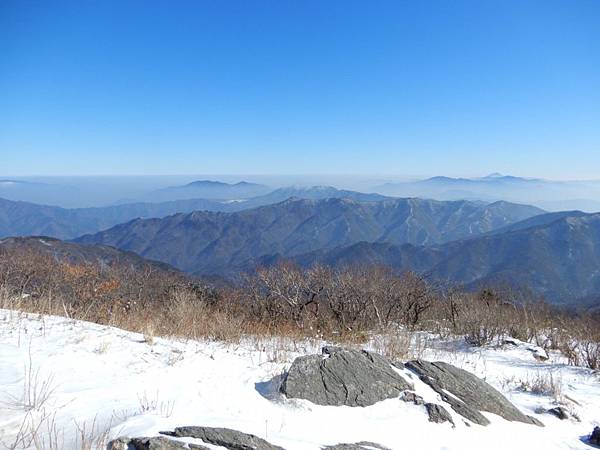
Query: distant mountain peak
point(494, 175)
point(198, 183)
point(215, 184)
point(209, 189)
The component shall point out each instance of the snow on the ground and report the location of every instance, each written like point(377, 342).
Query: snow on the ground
point(105, 378)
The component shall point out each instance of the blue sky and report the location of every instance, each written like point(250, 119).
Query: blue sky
point(299, 87)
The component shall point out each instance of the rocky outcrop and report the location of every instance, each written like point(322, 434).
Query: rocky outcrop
point(356, 446)
point(595, 436)
point(467, 394)
point(438, 414)
point(148, 443)
point(225, 437)
point(343, 377)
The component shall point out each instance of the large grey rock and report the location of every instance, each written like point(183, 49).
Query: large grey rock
point(437, 413)
point(147, 443)
point(343, 377)
point(357, 446)
point(467, 394)
point(225, 437)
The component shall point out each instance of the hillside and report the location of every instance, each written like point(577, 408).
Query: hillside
point(98, 255)
point(559, 258)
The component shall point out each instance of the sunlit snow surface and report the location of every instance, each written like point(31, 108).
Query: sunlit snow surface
point(103, 377)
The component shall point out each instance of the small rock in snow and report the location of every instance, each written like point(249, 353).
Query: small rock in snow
point(225, 437)
point(560, 412)
point(411, 397)
point(356, 446)
point(438, 414)
point(145, 443)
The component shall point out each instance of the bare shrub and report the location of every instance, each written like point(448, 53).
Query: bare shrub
point(146, 403)
point(36, 391)
point(546, 383)
point(345, 305)
point(154, 404)
point(102, 348)
point(92, 435)
point(394, 345)
point(37, 430)
point(482, 318)
point(591, 354)
point(581, 342)
point(340, 301)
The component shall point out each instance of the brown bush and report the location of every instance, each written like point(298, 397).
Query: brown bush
point(337, 304)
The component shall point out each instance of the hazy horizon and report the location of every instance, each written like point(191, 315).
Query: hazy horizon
point(236, 177)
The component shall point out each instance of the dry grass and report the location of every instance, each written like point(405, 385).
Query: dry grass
point(546, 383)
point(37, 430)
point(36, 391)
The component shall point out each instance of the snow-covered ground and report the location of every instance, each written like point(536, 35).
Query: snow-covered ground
point(101, 378)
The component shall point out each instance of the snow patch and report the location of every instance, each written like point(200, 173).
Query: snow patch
point(131, 388)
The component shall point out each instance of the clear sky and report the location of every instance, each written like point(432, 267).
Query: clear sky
point(287, 87)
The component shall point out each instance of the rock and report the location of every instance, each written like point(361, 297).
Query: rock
point(411, 397)
point(225, 437)
point(540, 355)
point(467, 394)
point(535, 421)
point(538, 352)
point(343, 377)
point(560, 412)
point(438, 414)
point(121, 443)
point(357, 446)
point(146, 443)
point(595, 436)
point(331, 349)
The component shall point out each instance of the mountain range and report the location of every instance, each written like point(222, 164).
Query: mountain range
point(83, 192)
point(471, 242)
point(554, 255)
point(209, 242)
point(18, 218)
point(547, 194)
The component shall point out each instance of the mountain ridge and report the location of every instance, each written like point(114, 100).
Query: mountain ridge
point(26, 218)
point(558, 259)
point(205, 242)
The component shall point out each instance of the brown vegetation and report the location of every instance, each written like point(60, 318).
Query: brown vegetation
point(341, 305)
